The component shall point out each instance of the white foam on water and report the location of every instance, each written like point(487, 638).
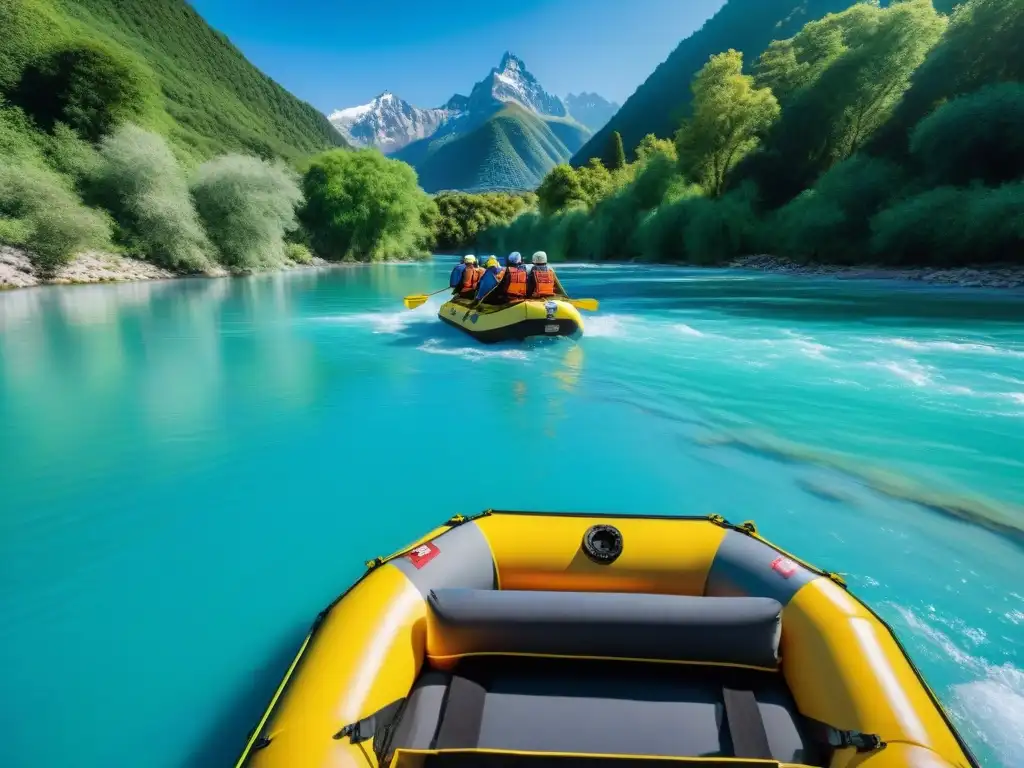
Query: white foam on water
point(383, 322)
point(945, 346)
point(991, 706)
point(908, 370)
point(687, 330)
point(473, 354)
point(811, 348)
point(606, 326)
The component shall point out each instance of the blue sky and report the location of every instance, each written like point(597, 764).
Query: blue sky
point(338, 53)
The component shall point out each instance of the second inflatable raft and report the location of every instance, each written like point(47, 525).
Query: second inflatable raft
point(527, 640)
point(513, 322)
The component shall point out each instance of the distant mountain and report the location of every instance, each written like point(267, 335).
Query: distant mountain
point(511, 82)
point(591, 110)
point(510, 150)
point(507, 134)
point(390, 123)
point(661, 103)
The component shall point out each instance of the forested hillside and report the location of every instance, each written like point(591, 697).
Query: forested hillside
point(130, 128)
point(883, 134)
point(662, 100)
point(162, 65)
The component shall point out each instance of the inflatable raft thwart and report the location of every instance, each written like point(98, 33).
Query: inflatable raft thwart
point(513, 322)
point(527, 640)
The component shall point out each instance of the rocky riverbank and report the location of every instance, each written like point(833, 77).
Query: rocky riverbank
point(967, 277)
point(16, 270)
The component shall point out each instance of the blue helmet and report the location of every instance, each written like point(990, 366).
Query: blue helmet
point(514, 258)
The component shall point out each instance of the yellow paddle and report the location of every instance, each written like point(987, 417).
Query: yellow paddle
point(588, 304)
point(419, 299)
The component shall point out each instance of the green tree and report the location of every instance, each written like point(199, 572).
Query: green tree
point(650, 145)
point(788, 66)
point(615, 155)
point(559, 189)
point(975, 137)
point(86, 85)
point(463, 216)
point(729, 116)
point(363, 206)
point(832, 116)
point(247, 206)
point(596, 181)
point(981, 46)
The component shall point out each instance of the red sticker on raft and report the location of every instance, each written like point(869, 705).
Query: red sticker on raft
point(423, 554)
point(784, 566)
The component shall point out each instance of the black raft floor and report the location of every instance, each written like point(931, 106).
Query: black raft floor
point(602, 708)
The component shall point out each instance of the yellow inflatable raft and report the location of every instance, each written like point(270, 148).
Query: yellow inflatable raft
point(527, 639)
point(513, 322)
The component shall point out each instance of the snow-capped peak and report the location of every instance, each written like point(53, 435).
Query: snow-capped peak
point(510, 62)
point(510, 81)
point(389, 123)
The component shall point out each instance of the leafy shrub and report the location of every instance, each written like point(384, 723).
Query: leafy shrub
point(17, 135)
point(86, 85)
point(48, 218)
point(247, 205)
point(661, 233)
point(462, 216)
point(718, 230)
point(976, 137)
point(361, 205)
point(139, 181)
point(298, 253)
point(831, 221)
point(70, 155)
point(950, 225)
point(14, 231)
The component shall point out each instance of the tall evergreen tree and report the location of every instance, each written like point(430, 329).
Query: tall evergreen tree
point(615, 155)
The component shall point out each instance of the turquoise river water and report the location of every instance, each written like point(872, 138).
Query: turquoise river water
point(191, 469)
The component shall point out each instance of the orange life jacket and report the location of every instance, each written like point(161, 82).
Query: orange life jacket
point(470, 279)
point(543, 282)
point(516, 284)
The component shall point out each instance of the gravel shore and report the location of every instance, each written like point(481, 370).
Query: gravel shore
point(966, 277)
point(16, 270)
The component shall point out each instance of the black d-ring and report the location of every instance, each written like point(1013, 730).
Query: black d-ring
point(602, 543)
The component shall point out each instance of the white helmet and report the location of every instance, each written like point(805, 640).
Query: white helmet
point(540, 258)
point(469, 259)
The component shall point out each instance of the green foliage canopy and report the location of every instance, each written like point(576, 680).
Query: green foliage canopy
point(52, 222)
point(87, 86)
point(853, 93)
point(247, 205)
point(141, 183)
point(462, 216)
point(363, 206)
point(976, 137)
point(980, 46)
point(729, 116)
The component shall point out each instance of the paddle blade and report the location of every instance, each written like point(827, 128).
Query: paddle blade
point(590, 305)
point(411, 302)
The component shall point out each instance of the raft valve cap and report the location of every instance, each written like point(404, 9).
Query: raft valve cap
point(602, 543)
